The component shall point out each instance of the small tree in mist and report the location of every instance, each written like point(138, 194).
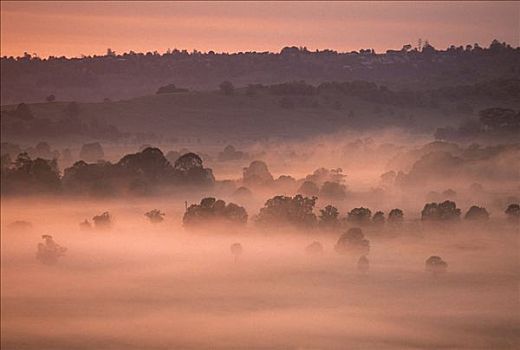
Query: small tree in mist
point(363, 265)
point(476, 214)
point(155, 216)
point(295, 211)
point(513, 212)
point(227, 88)
point(50, 98)
point(85, 225)
point(379, 218)
point(103, 221)
point(315, 248)
point(236, 250)
point(359, 216)
point(49, 251)
point(328, 218)
point(445, 211)
point(353, 241)
point(396, 216)
point(435, 265)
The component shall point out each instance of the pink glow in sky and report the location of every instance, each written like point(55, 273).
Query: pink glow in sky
point(75, 28)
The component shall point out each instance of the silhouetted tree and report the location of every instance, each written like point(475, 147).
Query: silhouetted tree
point(359, 216)
point(353, 241)
point(49, 252)
point(189, 168)
point(295, 211)
point(445, 211)
point(378, 218)
point(50, 98)
point(395, 216)
point(23, 112)
point(477, 214)
point(155, 216)
point(328, 218)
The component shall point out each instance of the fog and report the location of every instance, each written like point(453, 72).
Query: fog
point(147, 286)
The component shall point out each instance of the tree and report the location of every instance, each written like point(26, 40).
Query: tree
point(211, 211)
point(378, 218)
point(103, 221)
point(513, 212)
point(477, 214)
point(435, 265)
point(50, 98)
point(91, 152)
point(309, 189)
point(227, 88)
point(333, 190)
point(257, 173)
point(236, 250)
point(353, 241)
point(189, 170)
point(49, 251)
point(328, 218)
point(395, 216)
point(294, 211)
point(445, 211)
point(315, 248)
point(155, 216)
point(359, 216)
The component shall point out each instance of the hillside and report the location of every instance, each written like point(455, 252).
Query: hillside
point(129, 75)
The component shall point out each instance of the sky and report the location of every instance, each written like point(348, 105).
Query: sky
point(88, 28)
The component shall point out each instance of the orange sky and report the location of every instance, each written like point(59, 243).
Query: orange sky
point(75, 28)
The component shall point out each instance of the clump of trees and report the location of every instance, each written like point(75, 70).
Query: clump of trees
point(27, 176)
point(155, 216)
point(211, 211)
point(445, 211)
point(476, 213)
point(49, 251)
point(353, 242)
point(294, 211)
point(435, 265)
point(102, 221)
